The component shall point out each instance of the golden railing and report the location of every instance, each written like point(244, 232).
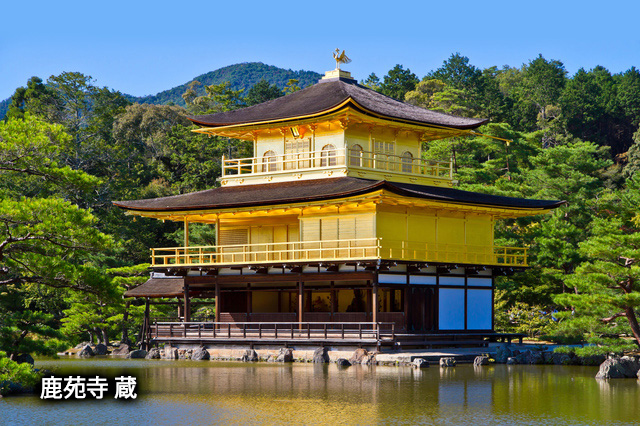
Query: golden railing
point(365, 248)
point(453, 253)
point(355, 249)
point(320, 160)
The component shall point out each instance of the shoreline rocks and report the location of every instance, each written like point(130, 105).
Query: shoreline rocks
point(86, 352)
point(447, 362)
point(420, 363)
point(619, 368)
point(321, 356)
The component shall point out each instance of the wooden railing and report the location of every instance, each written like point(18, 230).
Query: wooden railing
point(363, 248)
point(321, 160)
point(360, 249)
point(360, 331)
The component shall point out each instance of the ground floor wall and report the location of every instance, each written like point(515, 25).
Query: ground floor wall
point(430, 299)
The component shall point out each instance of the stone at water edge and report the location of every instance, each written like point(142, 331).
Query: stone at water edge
point(561, 359)
point(502, 354)
point(137, 354)
point(369, 359)
point(121, 350)
point(341, 362)
point(85, 352)
point(285, 355)
point(170, 352)
point(200, 354)
point(154, 353)
point(593, 360)
point(447, 362)
point(100, 349)
point(512, 360)
point(358, 356)
point(481, 360)
point(420, 363)
point(321, 356)
point(619, 368)
point(250, 355)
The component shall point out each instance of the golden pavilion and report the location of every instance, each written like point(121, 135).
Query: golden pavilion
point(336, 232)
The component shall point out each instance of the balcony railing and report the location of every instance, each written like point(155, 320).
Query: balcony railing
point(352, 159)
point(355, 249)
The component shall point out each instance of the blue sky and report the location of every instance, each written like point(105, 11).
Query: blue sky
point(143, 47)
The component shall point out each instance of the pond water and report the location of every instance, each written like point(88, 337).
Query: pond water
point(208, 392)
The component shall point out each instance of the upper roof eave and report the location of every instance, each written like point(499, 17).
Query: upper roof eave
point(325, 97)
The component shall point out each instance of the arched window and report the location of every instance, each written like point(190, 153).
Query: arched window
point(355, 156)
point(269, 162)
point(407, 162)
point(328, 156)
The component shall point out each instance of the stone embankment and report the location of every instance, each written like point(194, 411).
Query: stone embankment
point(505, 354)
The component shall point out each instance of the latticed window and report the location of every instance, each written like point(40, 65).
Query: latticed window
point(407, 162)
point(355, 156)
point(296, 153)
point(269, 162)
point(328, 156)
point(382, 152)
point(382, 147)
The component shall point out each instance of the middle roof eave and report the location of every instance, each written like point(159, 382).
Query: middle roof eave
point(322, 189)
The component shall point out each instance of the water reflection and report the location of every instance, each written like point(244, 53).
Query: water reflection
point(211, 392)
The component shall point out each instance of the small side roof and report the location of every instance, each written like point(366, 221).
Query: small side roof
point(158, 287)
point(325, 96)
point(321, 189)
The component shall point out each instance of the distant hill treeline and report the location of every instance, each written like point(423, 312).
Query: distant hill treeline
point(239, 76)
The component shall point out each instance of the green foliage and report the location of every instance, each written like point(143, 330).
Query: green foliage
point(398, 82)
point(16, 377)
point(438, 96)
point(520, 317)
point(372, 82)
point(262, 91)
point(292, 86)
point(217, 98)
point(239, 76)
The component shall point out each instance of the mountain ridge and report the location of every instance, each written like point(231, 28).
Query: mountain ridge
point(240, 76)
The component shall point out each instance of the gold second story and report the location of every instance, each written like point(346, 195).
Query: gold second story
point(339, 219)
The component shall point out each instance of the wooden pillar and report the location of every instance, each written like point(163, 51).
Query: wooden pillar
point(147, 325)
point(187, 304)
point(374, 304)
point(249, 301)
point(180, 310)
point(368, 304)
point(406, 296)
point(334, 301)
point(300, 303)
point(217, 301)
point(186, 232)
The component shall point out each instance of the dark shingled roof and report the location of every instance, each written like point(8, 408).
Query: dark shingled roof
point(328, 94)
point(320, 189)
point(158, 287)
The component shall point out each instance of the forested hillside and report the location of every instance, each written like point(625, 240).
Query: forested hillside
point(68, 148)
point(239, 76)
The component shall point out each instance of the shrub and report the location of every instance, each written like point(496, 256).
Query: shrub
point(16, 378)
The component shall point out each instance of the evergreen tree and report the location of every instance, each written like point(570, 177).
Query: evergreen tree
point(398, 82)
